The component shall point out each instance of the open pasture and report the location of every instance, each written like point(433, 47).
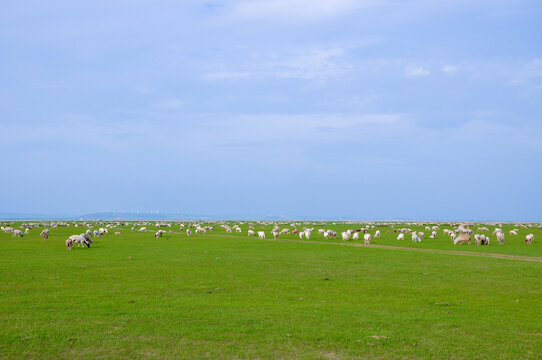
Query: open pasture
point(221, 295)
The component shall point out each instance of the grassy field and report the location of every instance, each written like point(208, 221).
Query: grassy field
point(230, 296)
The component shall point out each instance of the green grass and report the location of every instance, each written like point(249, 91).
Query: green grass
point(209, 296)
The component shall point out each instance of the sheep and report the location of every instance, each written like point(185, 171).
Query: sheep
point(301, 234)
point(17, 233)
point(158, 233)
point(483, 229)
point(345, 235)
point(308, 233)
point(69, 243)
point(285, 232)
point(251, 233)
point(500, 237)
point(80, 240)
point(238, 229)
point(367, 238)
point(355, 236)
point(294, 231)
point(117, 233)
point(261, 235)
point(88, 232)
point(188, 232)
point(401, 236)
point(321, 231)
point(433, 235)
point(421, 235)
point(45, 234)
point(102, 232)
point(415, 237)
point(513, 232)
point(143, 229)
point(275, 234)
point(27, 230)
point(377, 234)
point(529, 239)
point(461, 239)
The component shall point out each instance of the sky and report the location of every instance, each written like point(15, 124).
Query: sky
point(371, 109)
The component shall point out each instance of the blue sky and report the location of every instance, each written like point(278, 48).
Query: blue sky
point(332, 109)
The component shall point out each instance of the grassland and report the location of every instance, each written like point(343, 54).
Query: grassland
point(230, 296)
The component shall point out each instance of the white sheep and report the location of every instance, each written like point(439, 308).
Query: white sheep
point(345, 235)
point(261, 235)
point(159, 233)
point(355, 236)
point(143, 229)
point(377, 234)
point(45, 234)
point(421, 235)
point(415, 237)
point(529, 239)
point(401, 236)
point(251, 233)
point(17, 233)
point(188, 232)
point(513, 232)
point(500, 237)
point(367, 238)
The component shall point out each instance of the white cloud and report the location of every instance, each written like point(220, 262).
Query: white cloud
point(529, 72)
point(171, 104)
point(449, 69)
point(416, 71)
point(298, 9)
point(313, 64)
point(226, 75)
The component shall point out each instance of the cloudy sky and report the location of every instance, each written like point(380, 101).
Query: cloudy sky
point(370, 109)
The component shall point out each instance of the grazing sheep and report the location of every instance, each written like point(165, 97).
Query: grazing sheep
point(308, 233)
point(433, 235)
point(481, 239)
point(415, 237)
point(251, 233)
point(45, 234)
point(355, 236)
point(529, 239)
point(117, 233)
point(345, 235)
point(159, 233)
point(513, 232)
point(27, 230)
point(80, 240)
point(275, 234)
point(377, 234)
point(143, 229)
point(401, 236)
point(188, 232)
point(238, 229)
point(261, 235)
point(500, 237)
point(421, 235)
point(69, 243)
point(301, 234)
point(461, 239)
point(17, 233)
point(285, 232)
point(367, 238)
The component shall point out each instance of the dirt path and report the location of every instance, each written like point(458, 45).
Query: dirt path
point(437, 251)
point(391, 247)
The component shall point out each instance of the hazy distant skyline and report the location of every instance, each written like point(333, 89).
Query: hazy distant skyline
point(374, 109)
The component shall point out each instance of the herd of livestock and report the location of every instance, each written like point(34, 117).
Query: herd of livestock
point(457, 233)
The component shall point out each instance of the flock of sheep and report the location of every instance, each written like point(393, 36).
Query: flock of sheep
point(458, 233)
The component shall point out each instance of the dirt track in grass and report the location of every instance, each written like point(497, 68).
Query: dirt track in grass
point(438, 251)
